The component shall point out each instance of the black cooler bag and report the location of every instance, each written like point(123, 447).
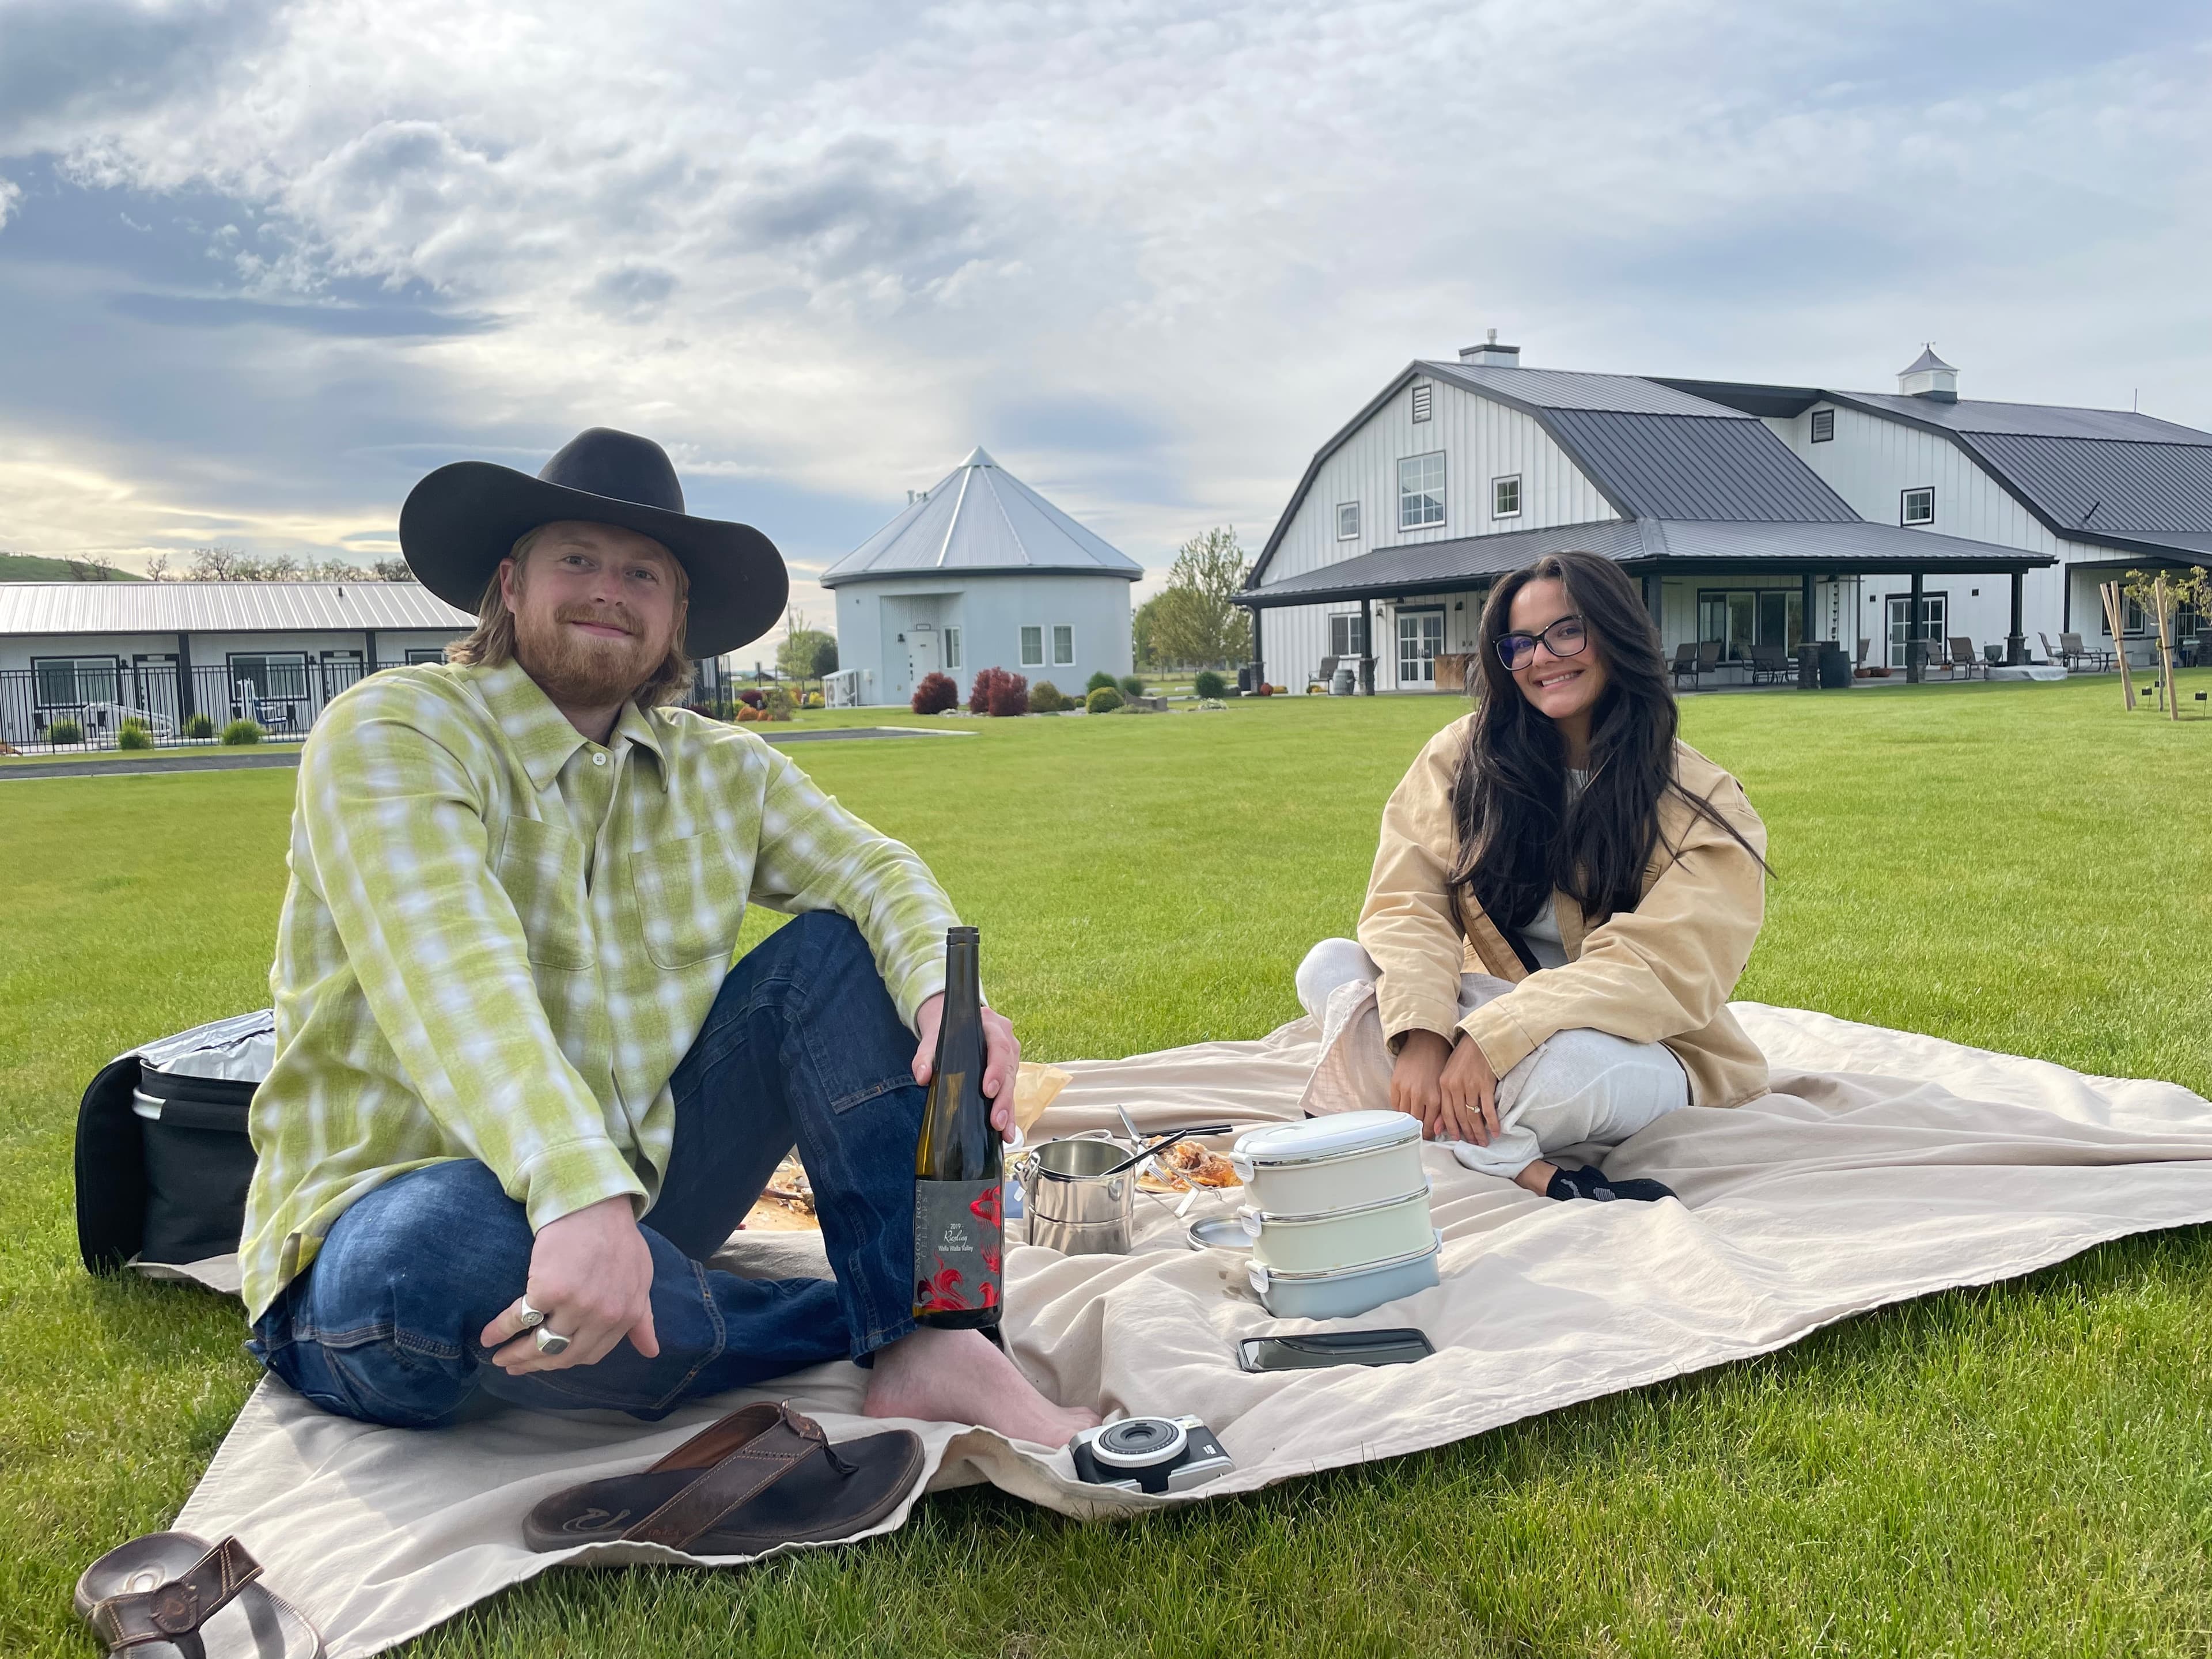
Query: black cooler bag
point(162, 1156)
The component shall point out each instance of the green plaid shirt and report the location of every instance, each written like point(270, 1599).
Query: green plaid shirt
point(500, 939)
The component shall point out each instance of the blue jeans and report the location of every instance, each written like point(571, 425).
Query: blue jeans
point(803, 1045)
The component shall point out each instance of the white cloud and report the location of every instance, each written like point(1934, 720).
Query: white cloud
point(832, 247)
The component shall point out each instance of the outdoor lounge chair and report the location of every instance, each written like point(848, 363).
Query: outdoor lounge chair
point(1963, 657)
point(2072, 651)
point(1769, 663)
point(1696, 660)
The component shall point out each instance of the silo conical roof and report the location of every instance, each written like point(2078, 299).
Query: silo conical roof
point(981, 520)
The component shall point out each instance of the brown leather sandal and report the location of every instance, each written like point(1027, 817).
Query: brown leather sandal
point(761, 1476)
point(170, 1595)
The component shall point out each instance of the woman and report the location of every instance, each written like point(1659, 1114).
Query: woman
point(1563, 898)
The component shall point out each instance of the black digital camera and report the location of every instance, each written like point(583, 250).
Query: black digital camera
point(1149, 1454)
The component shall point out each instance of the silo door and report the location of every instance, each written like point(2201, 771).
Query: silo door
point(921, 651)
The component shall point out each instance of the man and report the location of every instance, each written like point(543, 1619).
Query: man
point(520, 1094)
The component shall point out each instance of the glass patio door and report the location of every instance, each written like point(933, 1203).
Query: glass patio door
point(1421, 639)
point(1931, 626)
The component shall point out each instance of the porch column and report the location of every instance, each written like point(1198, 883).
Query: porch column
point(368, 653)
point(1805, 609)
point(1259, 654)
point(185, 707)
point(1916, 647)
point(2016, 641)
point(1654, 604)
point(1367, 647)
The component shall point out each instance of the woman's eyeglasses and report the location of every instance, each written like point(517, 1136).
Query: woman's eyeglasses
point(1564, 638)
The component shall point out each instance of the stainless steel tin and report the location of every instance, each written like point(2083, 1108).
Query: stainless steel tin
point(1070, 1204)
point(1348, 1292)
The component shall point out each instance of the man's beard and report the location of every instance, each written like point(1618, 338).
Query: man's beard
point(585, 669)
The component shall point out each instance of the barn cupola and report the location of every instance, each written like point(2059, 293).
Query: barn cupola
point(1929, 377)
point(1491, 355)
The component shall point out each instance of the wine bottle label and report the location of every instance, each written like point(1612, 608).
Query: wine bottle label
point(958, 1245)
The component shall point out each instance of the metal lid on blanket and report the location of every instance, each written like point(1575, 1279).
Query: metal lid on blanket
point(1341, 1134)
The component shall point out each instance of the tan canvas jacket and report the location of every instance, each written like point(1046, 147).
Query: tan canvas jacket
point(1661, 973)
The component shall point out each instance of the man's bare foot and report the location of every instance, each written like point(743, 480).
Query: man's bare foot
point(958, 1376)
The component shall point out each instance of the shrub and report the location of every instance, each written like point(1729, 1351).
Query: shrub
point(1104, 701)
point(242, 731)
point(133, 735)
point(1132, 686)
point(752, 699)
point(936, 694)
point(1100, 681)
point(777, 703)
point(64, 731)
point(997, 692)
point(200, 726)
point(1046, 698)
point(1208, 684)
point(811, 700)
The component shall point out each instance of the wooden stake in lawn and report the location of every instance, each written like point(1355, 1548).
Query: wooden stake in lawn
point(2110, 593)
point(2165, 650)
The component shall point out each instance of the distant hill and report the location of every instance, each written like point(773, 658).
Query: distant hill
point(31, 568)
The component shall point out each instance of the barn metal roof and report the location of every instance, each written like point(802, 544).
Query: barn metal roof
point(221, 607)
point(981, 520)
point(2027, 420)
point(1662, 544)
point(1561, 388)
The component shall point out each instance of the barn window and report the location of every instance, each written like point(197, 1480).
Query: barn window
point(1505, 497)
point(71, 681)
point(1423, 395)
point(1421, 491)
point(1917, 506)
point(952, 648)
point(1824, 426)
point(1347, 637)
point(1032, 646)
point(1347, 521)
point(1063, 644)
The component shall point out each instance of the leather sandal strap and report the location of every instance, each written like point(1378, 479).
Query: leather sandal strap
point(177, 1610)
point(765, 1443)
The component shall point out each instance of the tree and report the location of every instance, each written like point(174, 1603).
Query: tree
point(802, 648)
point(218, 564)
point(393, 570)
point(1192, 621)
point(157, 567)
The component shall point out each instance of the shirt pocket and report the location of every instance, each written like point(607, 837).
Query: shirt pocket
point(690, 900)
point(540, 866)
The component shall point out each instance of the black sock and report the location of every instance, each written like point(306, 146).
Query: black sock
point(1592, 1182)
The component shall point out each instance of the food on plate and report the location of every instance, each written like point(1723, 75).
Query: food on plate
point(1188, 1165)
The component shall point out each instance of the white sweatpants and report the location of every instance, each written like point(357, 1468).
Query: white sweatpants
point(1581, 1087)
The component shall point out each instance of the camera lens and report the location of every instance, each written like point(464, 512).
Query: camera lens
point(1138, 1442)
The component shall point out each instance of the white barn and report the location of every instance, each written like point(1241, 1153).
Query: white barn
point(980, 572)
point(1757, 518)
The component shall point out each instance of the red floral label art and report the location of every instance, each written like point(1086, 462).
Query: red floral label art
point(958, 1245)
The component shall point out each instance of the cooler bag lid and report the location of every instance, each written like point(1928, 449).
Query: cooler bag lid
point(205, 1077)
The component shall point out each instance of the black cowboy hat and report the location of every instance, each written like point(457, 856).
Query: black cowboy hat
point(460, 521)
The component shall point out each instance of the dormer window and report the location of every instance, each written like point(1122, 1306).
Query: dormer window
point(1423, 394)
point(1917, 506)
point(1824, 426)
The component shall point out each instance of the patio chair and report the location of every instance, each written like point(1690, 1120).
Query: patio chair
point(1691, 659)
point(1963, 657)
point(1769, 663)
point(2070, 647)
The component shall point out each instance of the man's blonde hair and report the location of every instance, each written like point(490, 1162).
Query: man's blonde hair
point(491, 642)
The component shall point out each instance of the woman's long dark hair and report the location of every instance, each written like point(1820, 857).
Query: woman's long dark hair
point(1520, 834)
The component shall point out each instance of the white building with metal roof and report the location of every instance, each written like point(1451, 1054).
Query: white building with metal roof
point(93, 654)
point(980, 572)
point(1758, 518)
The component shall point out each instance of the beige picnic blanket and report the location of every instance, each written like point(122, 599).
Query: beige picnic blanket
point(1883, 1166)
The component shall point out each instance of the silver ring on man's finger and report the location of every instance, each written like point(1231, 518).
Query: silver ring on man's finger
point(552, 1342)
point(530, 1318)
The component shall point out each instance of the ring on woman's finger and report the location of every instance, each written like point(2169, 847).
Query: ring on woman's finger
point(528, 1317)
point(550, 1343)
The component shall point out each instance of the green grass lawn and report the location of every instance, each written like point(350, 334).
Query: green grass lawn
point(2024, 1469)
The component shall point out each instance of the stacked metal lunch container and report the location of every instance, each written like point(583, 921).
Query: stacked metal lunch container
point(1337, 1213)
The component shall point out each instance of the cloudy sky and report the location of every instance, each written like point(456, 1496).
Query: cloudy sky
point(263, 264)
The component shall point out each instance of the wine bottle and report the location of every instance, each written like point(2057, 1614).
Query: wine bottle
point(958, 1233)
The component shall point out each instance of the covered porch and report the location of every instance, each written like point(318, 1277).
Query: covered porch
point(1734, 604)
